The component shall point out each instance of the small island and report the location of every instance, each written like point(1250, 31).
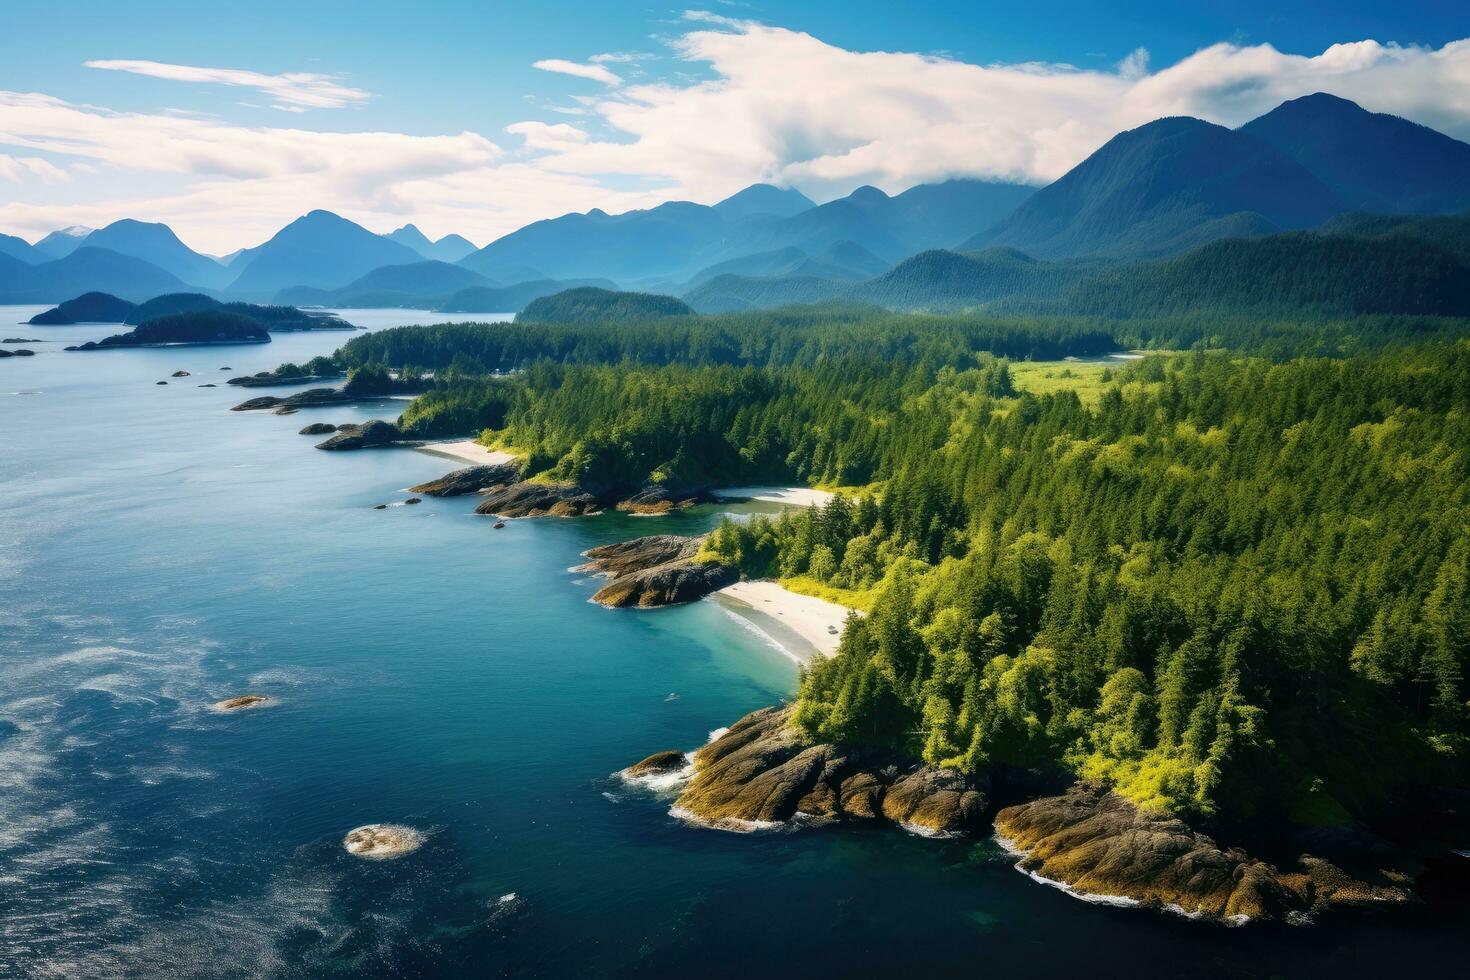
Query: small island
point(86, 308)
point(210, 327)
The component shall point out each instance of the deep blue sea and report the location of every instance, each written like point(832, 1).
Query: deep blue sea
point(159, 552)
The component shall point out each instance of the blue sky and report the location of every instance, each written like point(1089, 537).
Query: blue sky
point(228, 120)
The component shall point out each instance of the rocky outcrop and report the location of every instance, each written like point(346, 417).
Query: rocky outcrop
point(268, 379)
point(660, 763)
point(661, 498)
point(657, 570)
point(318, 429)
point(531, 498)
point(763, 771)
point(368, 435)
point(1097, 843)
point(471, 479)
point(310, 398)
point(18, 352)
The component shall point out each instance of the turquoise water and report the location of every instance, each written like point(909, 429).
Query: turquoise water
point(158, 552)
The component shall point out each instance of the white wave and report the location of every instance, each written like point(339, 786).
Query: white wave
point(733, 825)
point(1119, 901)
point(751, 627)
point(660, 782)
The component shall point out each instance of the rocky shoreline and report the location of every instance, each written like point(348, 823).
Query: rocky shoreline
point(763, 774)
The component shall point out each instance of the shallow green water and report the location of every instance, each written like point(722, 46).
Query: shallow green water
point(158, 552)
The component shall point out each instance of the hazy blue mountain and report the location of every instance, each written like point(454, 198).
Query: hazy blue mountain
point(665, 240)
point(676, 240)
point(764, 200)
point(733, 294)
point(157, 244)
point(511, 299)
point(408, 284)
point(923, 217)
point(450, 248)
point(589, 304)
point(19, 248)
point(83, 271)
point(1162, 188)
point(1373, 161)
point(61, 243)
point(845, 260)
point(318, 249)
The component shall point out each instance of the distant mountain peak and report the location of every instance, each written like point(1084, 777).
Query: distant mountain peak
point(767, 199)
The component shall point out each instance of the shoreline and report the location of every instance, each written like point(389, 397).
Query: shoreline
point(791, 496)
point(801, 626)
point(468, 451)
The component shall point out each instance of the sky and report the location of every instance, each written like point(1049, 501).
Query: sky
point(228, 121)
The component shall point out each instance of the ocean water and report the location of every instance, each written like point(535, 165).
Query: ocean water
point(159, 552)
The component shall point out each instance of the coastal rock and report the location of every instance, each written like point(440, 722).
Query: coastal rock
point(656, 570)
point(242, 702)
point(666, 585)
point(529, 498)
point(764, 771)
point(661, 498)
point(18, 352)
point(374, 432)
point(1096, 842)
point(657, 764)
point(268, 379)
point(472, 479)
point(382, 841)
point(179, 374)
point(318, 429)
point(22, 340)
point(310, 398)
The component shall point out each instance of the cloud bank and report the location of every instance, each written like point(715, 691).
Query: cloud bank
point(764, 103)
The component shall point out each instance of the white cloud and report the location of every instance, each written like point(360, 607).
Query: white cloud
point(759, 103)
point(292, 92)
point(619, 57)
point(595, 73)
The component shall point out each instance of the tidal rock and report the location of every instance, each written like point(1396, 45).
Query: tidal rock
point(302, 399)
point(1098, 843)
point(374, 432)
point(763, 771)
point(318, 429)
point(413, 500)
point(160, 382)
point(380, 506)
point(382, 841)
point(22, 340)
point(470, 480)
point(657, 570)
point(657, 764)
point(533, 499)
point(208, 386)
point(5, 353)
point(179, 374)
point(242, 702)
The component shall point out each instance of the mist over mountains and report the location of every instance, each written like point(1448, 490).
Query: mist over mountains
point(1294, 187)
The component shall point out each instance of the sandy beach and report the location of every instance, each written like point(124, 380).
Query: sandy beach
point(795, 496)
point(469, 451)
point(802, 625)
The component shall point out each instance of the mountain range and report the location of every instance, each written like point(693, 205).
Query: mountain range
point(1164, 189)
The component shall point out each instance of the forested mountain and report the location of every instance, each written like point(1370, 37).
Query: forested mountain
point(450, 248)
point(158, 245)
point(84, 270)
point(318, 249)
point(1162, 188)
point(589, 304)
point(1372, 161)
point(844, 260)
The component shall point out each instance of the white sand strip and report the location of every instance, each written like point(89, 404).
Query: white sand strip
point(469, 451)
point(816, 623)
point(795, 496)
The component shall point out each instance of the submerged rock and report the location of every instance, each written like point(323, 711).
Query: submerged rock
point(763, 772)
point(374, 432)
point(472, 479)
point(382, 841)
point(657, 764)
point(530, 498)
point(1100, 844)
